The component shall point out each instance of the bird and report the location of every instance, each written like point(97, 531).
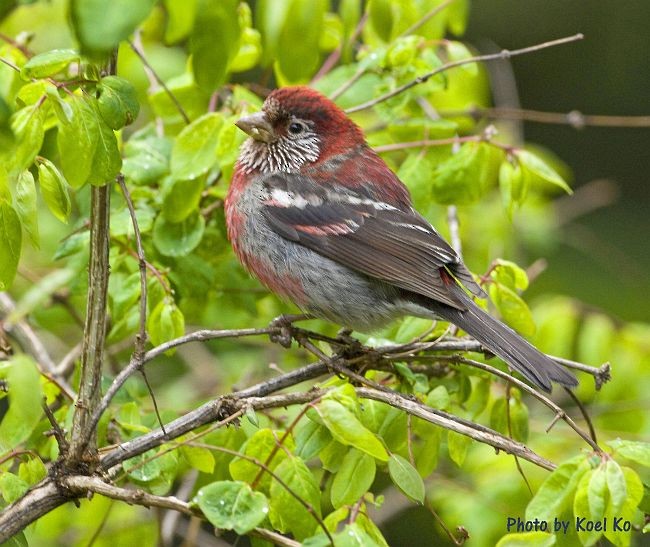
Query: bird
point(318, 217)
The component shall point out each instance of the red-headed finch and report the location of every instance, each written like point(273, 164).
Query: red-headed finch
point(319, 218)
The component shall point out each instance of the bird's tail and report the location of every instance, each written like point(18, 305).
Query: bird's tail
point(506, 344)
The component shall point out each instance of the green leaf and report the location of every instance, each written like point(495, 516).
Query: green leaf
point(11, 237)
point(232, 505)
point(54, 189)
point(199, 458)
point(311, 439)
point(12, 487)
point(346, 428)
point(180, 19)
point(556, 492)
point(260, 446)
point(107, 160)
point(518, 418)
point(468, 174)
point(165, 322)
point(49, 63)
point(406, 477)
point(287, 513)
point(353, 479)
point(510, 274)
point(194, 151)
point(539, 171)
point(439, 398)
point(270, 16)
point(25, 397)
point(513, 185)
point(146, 157)
point(180, 238)
point(100, 25)
point(457, 446)
point(25, 196)
point(512, 308)
point(117, 101)
point(77, 141)
point(616, 487)
point(589, 504)
point(527, 539)
point(145, 467)
point(381, 18)
point(214, 41)
point(628, 510)
point(32, 471)
point(298, 53)
point(27, 126)
point(637, 451)
point(181, 198)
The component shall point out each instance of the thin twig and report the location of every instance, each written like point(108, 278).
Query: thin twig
point(525, 387)
point(583, 411)
point(504, 54)
point(481, 434)
point(573, 118)
point(426, 18)
point(141, 337)
point(137, 49)
point(509, 424)
point(334, 57)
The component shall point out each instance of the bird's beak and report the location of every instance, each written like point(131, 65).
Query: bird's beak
point(257, 126)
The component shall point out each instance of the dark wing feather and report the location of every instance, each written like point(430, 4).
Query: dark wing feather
point(394, 245)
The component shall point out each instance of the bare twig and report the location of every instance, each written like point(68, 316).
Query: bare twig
point(482, 434)
point(505, 54)
point(574, 118)
point(141, 337)
point(334, 57)
point(525, 387)
point(426, 18)
point(137, 49)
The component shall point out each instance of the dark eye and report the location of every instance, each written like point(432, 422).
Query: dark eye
point(295, 128)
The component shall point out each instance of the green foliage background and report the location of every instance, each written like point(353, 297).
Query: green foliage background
point(66, 127)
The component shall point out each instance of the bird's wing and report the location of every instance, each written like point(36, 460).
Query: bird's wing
point(375, 238)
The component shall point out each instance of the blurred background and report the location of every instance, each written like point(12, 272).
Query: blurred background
point(604, 257)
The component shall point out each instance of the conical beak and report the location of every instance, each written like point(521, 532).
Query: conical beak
point(257, 126)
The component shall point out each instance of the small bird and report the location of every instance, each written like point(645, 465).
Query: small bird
point(319, 218)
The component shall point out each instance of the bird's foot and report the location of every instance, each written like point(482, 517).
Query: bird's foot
point(283, 330)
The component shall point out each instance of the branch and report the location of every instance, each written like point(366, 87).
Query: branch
point(136, 46)
point(574, 118)
point(141, 338)
point(505, 54)
point(559, 412)
point(481, 434)
point(81, 485)
point(92, 353)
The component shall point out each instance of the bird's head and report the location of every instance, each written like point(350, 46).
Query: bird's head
point(296, 127)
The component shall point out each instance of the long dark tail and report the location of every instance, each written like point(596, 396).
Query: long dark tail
point(505, 343)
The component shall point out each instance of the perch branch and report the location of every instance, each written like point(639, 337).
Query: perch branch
point(505, 54)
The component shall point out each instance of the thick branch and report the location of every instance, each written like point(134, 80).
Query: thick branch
point(92, 354)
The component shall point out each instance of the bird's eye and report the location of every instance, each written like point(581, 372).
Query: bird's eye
point(295, 128)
